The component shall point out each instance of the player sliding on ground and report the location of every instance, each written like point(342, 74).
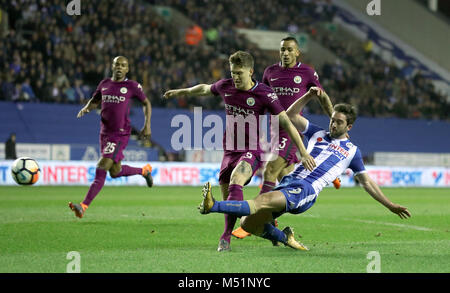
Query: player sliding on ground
point(298, 191)
point(115, 95)
point(290, 79)
point(244, 98)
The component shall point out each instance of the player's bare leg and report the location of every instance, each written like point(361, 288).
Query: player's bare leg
point(287, 170)
point(271, 171)
point(115, 169)
point(224, 190)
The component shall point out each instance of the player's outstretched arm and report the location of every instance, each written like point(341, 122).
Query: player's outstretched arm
point(91, 104)
point(306, 158)
point(197, 90)
point(325, 103)
point(146, 131)
point(374, 190)
point(294, 110)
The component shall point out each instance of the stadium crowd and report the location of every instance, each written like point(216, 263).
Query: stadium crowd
point(50, 56)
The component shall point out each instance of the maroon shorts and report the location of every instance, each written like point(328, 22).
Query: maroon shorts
point(287, 149)
point(112, 146)
point(231, 160)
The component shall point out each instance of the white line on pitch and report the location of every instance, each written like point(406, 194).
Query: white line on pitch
point(419, 228)
point(390, 224)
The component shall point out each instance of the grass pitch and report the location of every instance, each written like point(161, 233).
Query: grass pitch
point(159, 230)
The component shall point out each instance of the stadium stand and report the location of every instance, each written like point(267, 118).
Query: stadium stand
point(64, 62)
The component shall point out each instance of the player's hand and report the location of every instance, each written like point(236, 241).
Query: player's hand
point(83, 111)
point(308, 162)
point(316, 91)
point(145, 132)
point(402, 212)
point(171, 94)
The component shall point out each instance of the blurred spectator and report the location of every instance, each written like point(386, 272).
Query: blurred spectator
point(81, 92)
point(27, 91)
point(194, 35)
point(61, 79)
point(55, 94)
point(40, 90)
point(17, 93)
point(10, 147)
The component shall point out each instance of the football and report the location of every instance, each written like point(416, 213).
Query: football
point(25, 171)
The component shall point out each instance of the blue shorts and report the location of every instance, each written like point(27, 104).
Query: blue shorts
point(300, 195)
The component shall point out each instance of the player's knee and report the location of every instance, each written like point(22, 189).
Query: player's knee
point(271, 172)
point(238, 178)
point(113, 174)
point(114, 171)
point(248, 227)
point(105, 164)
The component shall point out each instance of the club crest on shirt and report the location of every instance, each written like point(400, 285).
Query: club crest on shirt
point(273, 96)
point(123, 90)
point(250, 101)
point(298, 79)
point(349, 144)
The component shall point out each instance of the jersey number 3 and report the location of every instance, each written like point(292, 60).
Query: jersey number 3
point(282, 144)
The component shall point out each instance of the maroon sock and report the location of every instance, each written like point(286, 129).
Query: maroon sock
point(267, 186)
point(128, 171)
point(96, 186)
point(234, 193)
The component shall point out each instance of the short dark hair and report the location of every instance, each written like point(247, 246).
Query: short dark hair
point(242, 58)
point(290, 39)
point(348, 110)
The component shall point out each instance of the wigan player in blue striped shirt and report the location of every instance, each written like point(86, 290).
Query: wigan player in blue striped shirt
point(298, 191)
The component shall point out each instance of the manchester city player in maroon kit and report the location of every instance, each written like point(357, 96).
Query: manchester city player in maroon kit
point(246, 98)
point(115, 95)
point(290, 80)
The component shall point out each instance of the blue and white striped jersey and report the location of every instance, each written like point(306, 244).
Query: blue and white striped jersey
point(332, 157)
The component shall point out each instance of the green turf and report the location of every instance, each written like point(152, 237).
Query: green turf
point(136, 229)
